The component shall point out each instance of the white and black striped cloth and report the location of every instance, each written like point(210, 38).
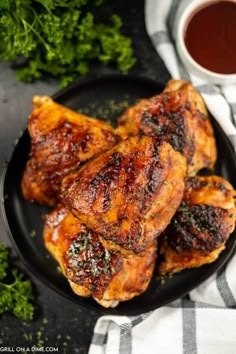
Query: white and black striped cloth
point(205, 324)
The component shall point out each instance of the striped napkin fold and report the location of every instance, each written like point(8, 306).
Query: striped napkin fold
point(206, 322)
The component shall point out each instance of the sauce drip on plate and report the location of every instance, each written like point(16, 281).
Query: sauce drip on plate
point(210, 36)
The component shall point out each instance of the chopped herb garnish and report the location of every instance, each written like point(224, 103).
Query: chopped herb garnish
point(33, 233)
point(87, 262)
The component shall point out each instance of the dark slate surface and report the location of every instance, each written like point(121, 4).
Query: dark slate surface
point(58, 322)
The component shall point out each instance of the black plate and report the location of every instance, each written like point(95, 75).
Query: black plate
point(100, 97)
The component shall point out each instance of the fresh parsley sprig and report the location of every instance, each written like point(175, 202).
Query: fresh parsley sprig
point(61, 38)
point(15, 295)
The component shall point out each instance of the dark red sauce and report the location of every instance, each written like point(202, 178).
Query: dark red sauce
point(210, 36)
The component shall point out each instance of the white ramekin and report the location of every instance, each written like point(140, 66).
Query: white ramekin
point(190, 63)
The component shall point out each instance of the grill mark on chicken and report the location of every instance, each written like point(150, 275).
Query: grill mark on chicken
point(197, 227)
point(64, 144)
point(89, 264)
point(113, 193)
point(143, 196)
point(83, 144)
point(61, 146)
point(61, 142)
point(154, 174)
point(196, 183)
point(178, 115)
point(104, 179)
point(91, 269)
point(170, 126)
point(131, 173)
point(201, 226)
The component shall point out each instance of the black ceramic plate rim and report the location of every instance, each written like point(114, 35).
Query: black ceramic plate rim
point(224, 256)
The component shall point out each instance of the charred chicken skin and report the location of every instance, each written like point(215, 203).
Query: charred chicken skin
point(91, 269)
point(178, 116)
point(120, 192)
point(201, 226)
point(61, 141)
point(129, 193)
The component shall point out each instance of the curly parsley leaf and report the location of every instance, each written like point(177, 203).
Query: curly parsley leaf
point(61, 38)
point(16, 295)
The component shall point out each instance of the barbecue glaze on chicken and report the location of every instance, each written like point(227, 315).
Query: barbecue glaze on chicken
point(201, 226)
point(61, 141)
point(178, 115)
point(123, 188)
point(91, 269)
point(129, 193)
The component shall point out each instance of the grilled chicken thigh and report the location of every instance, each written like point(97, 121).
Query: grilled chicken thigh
point(178, 116)
point(129, 193)
point(201, 226)
point(61, 141)
point(91, 269)
point(123, 188)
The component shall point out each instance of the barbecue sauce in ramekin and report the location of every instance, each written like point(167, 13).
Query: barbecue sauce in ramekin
point(210, 36)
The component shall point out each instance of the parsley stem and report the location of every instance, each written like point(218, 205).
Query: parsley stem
point(44, 5)
point(25, 23)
